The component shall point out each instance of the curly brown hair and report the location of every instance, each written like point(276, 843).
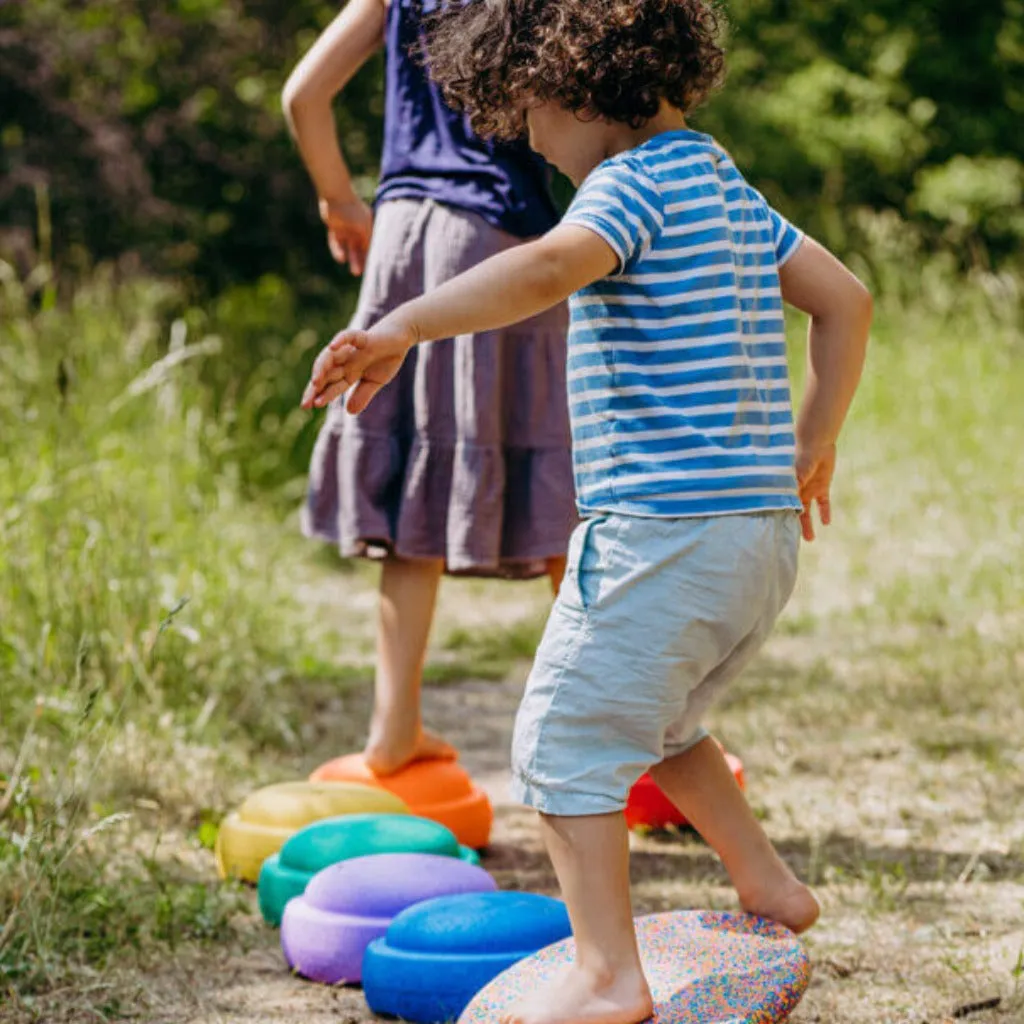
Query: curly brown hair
point(613, 59)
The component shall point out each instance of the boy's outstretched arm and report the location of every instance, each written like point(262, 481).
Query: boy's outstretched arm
point(840, 308)
point(511, 286)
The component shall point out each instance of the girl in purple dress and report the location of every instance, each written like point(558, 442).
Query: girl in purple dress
point(462, 465)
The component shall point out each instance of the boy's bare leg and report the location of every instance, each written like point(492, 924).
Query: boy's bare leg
point(700, 784)
point(408, 595)
point(605, 983)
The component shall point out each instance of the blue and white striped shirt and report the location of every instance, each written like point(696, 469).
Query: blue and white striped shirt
point(678, 384)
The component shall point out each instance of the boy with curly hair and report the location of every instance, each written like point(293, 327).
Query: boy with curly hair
point(692, 479)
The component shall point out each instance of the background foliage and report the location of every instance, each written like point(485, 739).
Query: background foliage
point(156, 127)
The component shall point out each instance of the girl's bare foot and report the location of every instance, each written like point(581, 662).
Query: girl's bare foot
point(387, 753)
point(579, 996)
point(791, 904)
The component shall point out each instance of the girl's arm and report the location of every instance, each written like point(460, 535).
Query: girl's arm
point(502, 290)
point(345, 45)
point(840, 309)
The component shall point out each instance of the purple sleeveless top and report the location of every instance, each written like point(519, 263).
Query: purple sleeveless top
point(431, 153)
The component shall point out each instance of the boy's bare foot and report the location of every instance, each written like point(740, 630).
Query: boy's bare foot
point(578, 996)
point(385, 755)
point(791, 904)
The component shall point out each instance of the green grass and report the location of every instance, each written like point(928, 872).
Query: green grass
point(488, 653)
point(146, 624)
point(130, 572)
point(166, 642)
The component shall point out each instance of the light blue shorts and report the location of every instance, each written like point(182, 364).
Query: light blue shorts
point(653, 618)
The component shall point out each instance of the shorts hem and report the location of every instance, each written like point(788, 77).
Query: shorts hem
point(674, 749)
point(562, 803)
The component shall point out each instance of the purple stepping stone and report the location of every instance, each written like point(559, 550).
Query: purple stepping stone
point(325, 932)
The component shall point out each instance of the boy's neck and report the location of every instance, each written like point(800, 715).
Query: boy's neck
point(576, 144)
point(622, 137)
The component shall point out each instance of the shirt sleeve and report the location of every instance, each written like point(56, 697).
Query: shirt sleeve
point(623, 206)
point(786, 237)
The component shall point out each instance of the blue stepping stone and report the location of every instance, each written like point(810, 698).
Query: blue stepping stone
point(438, 954)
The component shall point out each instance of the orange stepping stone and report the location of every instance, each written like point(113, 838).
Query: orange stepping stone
point(439, 790)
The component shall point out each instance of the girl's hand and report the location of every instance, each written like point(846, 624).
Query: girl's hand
point(814, 469)
point(366, 359)
point(349, 226)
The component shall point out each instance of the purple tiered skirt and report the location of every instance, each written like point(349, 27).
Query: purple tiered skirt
point(464, 456)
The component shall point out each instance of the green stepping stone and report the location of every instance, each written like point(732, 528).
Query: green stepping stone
point(331, 840)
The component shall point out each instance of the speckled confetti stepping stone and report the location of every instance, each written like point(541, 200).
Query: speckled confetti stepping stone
point(703, 968)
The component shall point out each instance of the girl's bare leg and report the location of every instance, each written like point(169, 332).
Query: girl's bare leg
point(408, 595)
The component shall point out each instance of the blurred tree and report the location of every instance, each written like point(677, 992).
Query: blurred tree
point(835, 108)
point(155, 126)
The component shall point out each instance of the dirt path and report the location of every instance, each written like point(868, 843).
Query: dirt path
point(914, 931)
point(886, 764)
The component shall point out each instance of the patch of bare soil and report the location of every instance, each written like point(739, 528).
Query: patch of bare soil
point(922, 921)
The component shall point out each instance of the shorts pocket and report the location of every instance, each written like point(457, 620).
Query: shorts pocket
point(788, 556)
point(582, 566)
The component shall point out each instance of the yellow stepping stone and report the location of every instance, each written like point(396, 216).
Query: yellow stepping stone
point(260, 826)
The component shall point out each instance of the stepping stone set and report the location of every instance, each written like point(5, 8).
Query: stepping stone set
point(378, 881)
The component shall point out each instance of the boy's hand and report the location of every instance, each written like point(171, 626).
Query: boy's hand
point(349, 226)
point(814, 469)
point(366, 359)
